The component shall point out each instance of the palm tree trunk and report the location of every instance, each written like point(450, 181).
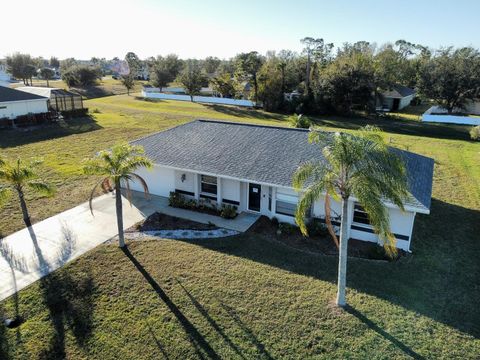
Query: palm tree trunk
point(118, 204)
point(342, 255)
point(23, 205)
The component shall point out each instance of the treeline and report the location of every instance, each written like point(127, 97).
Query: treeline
point(319, 79)
point(325, 79)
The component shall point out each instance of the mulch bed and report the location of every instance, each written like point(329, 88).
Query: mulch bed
point(158, 221)
point(322, 245)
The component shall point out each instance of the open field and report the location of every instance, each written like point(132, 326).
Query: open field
point(245, 297)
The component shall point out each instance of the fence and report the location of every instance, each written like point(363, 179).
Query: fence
point(428, 116)
point(202, 99)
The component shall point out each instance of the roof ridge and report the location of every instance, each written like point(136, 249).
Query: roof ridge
point(250, 124)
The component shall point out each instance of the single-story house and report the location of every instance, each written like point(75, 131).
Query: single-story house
point(58, 99)
point(395, 98)
point(251, 167)
point(14, 103)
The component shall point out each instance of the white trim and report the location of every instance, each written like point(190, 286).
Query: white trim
point(387, 204)
point(23, 101)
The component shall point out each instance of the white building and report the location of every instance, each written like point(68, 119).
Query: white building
point(395, 98)
point(251, 167)
point(14, 103)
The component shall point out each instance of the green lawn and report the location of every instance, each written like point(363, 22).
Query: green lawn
point(245, 297)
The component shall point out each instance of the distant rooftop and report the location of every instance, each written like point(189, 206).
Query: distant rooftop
point(398, 91)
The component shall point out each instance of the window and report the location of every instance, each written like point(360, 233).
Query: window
point(360, 216)
point(286, 204)
point(270, 198)
point(3, 107)
point(208, 184)
point(285, 208)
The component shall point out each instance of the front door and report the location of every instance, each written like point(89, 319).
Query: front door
point(396, 104)
point(254, 192)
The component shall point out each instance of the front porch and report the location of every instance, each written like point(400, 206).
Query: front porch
point(155, 203)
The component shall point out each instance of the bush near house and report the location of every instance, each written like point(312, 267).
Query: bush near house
point(202, 205)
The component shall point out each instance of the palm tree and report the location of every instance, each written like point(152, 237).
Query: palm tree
point(18, 176)
point(360, 166)
point(117, 166)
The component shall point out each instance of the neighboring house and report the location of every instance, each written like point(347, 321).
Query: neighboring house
point(58, 99)
point(251, 167)
point(5, 78)
point(14, 103)
point(395, 98)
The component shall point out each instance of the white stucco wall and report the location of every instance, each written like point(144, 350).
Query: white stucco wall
point(473, 107)
point(16, 108)
point(201, 99)
point(404, 102)
point(231, 189)
point(160, 180)
point(189, 182)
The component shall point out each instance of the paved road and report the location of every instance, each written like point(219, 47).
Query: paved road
point(30, 254)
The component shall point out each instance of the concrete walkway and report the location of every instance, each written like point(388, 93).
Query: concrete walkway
point(29, 254)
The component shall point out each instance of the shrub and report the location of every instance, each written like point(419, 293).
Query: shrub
point(81, 75)
point(75, 113)
point(287, 229)
point(228, 211)
point(176, 200)
point(275, 222)
point(316, 227)
point(300, 121)
point(475, 133)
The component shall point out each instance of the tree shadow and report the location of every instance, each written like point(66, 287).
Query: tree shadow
point(211, 321)
point(399, 126)
point(444, 262)
point(250, 335)
point(196, 339)
point(68, 298)
point(18, 137)
point(157, 342)
point(383, 333)
point(243, 112)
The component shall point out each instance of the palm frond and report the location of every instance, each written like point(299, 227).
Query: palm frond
point(142, 182)
point(328, 220)
point(92, 193)
point(307, 199)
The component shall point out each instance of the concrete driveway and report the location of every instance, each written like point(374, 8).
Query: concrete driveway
point(30, 254)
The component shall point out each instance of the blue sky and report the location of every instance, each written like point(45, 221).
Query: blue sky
point(108, 28)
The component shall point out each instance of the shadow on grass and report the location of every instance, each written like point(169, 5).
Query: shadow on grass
point(398, 126)
point(444, 263)
point(28, 135)
point(196, 339)
point(243, 112)
point(383, 333)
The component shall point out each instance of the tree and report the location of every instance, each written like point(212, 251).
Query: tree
point(349, 81)
point(451, 78)
point(359, 165)
point(117, 166)
point(134, 63)
point(225, 84)
point(21, 66)
point(19, 176)
point(54, 63)
point(192, 78)
point(128, 81)
point(319, 51)
point(81, 75)
point(211, 64)
point(173, 65)
point(249, 65)
point(47, 74)
point(160, 75)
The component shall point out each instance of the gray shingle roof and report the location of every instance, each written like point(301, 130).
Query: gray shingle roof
point(398, 91)
point(7, 94)
point(257, 153)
